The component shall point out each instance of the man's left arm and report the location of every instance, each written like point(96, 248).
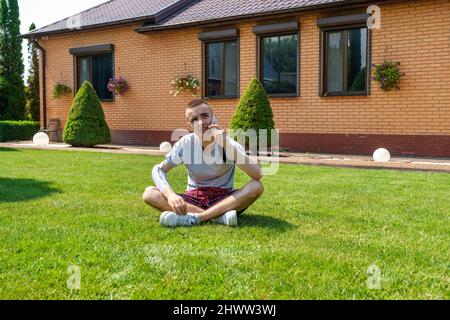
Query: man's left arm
point(246, 163)
point(236, 152)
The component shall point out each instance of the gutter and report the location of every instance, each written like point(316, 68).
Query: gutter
point(44, 85)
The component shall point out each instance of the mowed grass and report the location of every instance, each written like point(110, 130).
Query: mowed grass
point(317, 233)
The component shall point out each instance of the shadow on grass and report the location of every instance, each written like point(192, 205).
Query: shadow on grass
point(256, 220)
point(2, 149)
point(19, 190)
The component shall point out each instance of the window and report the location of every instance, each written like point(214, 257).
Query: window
point(97, 69)
point(221, 69)
point(345, 61)
point(279, 64)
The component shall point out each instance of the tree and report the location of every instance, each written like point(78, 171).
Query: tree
point(254, 111)
point(32, 90)
point(12, 88)
point(86, 125)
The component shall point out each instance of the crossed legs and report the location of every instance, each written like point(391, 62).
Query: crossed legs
point(239, 201)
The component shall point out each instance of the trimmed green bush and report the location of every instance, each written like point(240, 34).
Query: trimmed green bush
point(86, 125)
point(18, 130)
point(254, 111)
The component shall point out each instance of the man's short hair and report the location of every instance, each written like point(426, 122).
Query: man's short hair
point(196, 103)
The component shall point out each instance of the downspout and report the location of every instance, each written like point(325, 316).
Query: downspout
point(44, 86)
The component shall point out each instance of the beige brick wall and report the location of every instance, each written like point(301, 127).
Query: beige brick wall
point(416, 33)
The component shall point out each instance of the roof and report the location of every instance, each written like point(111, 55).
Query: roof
point(114, 12)
point(167, 14)
point(216, 10)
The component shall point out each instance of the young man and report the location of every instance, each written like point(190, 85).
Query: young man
point(211, 158)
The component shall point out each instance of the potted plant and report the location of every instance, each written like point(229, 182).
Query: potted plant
point(118, 85)
point(186, 83)
point(60, 90)
point(388, 75)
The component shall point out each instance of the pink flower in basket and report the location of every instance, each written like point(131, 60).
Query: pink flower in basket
point(118, 85)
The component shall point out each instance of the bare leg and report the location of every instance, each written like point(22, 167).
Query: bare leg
point(239, 201)
point(153, 197)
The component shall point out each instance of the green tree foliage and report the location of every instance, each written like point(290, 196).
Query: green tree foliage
point(32, 90)
point(12, 88)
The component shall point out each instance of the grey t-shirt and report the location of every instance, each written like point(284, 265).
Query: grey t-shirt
point(206, 168)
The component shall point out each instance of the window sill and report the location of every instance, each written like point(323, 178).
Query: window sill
point(222, 97)
point(354, 94)
point(283, 95)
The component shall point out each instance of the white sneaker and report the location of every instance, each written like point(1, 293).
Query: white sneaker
point(172, 220)
point(228, 219)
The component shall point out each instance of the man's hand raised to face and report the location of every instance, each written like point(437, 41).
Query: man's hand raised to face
point(217, 134)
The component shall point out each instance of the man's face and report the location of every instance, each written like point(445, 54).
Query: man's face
point(199, 118)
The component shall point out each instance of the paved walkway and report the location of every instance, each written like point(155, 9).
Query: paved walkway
point(334, 160)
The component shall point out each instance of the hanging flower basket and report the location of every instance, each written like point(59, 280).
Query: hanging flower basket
point(60, 90)
point(186, 83)
point(388, 75)
point(118, 86)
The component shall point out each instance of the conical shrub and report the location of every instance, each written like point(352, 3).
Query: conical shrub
point(86, 125)
point(254, 111)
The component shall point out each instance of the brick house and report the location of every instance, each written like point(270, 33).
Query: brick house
point(321, 90)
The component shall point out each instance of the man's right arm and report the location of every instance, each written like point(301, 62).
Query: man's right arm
point(159, 175)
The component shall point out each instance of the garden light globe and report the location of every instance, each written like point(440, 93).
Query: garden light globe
point(381, 155)
point(41, 139)
point(165, 147)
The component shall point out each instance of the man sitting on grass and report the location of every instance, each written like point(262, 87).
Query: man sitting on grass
point(210, 157)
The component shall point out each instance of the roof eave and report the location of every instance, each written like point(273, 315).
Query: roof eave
point(147, 19)
point(155, 18)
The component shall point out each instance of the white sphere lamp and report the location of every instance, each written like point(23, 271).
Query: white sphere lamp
point(381, 155)
point(41, 139)
point(165, 147)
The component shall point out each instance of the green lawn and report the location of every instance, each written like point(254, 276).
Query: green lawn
point(313, 235)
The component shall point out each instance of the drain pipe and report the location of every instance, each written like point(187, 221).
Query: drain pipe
point(44, 85)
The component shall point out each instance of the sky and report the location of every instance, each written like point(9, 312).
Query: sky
point(45, 12)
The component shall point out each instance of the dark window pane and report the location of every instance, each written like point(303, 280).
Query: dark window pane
point(215, 67)
point(279, 64)
point(231, 68)
point(335, 62)
point(288, 64)
point(270, 64)
point(222, 68)
point(97, 69)
point(83, 70)
point(102, 71)
point(356, 60)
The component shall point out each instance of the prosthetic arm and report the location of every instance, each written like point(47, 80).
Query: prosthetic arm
point(160, 178)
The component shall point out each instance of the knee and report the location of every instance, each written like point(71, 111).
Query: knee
point(150, 195)
point(256, 188)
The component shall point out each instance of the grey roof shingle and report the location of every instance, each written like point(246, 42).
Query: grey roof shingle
point(163, 14)
point(111, 12)
point(208, 10)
